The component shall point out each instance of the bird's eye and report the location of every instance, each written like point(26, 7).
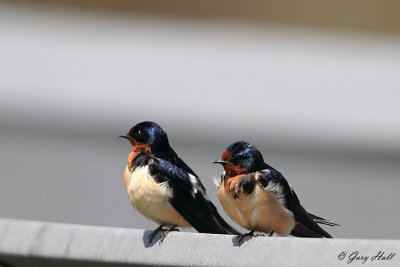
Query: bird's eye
point(140, 136)
point(238, 159)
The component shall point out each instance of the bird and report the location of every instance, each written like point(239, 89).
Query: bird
point(163, 188)
point(259, 198)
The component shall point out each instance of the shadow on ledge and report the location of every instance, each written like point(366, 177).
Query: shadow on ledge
point(145, 238)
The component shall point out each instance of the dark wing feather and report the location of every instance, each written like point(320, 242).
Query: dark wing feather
point(301, 231)
point(304, 218)
point(189, 199)
point(278, 185)
point(171, 156)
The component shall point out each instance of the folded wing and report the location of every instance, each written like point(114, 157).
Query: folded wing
point(307, 224)
point(189, 197)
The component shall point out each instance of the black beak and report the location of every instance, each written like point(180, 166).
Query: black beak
point(220, 161)
point(126, 137)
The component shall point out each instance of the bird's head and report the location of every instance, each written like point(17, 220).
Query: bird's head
point(240, 158)
point(147, 136)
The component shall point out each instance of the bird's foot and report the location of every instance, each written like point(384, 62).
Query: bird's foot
point(155, 232)
point(240, 237)
point(166, 232)
point(272, 232)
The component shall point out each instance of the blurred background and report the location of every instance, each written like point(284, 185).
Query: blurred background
point(313, 84)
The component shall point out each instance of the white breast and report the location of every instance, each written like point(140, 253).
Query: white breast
point(260, 211)
point(151, 198)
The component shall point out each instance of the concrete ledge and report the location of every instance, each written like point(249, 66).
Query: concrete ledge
point(30, 243)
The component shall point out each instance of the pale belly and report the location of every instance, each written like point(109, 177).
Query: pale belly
point(151, 198)
point(258, 211)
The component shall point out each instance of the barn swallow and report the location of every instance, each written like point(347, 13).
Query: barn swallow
point(164, 189)
point(259, 198)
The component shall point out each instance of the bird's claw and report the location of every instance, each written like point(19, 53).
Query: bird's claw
point(240, 237)
point(271, 233)
point(155, 232)
point(163, 234)
point(166, 232)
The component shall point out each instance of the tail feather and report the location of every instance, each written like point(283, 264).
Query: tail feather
point(312, 229)
point(201, 213)
point(213, 223)
point(307, 220)
point(227, 229)
point(323, 221)
point(302, 231)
